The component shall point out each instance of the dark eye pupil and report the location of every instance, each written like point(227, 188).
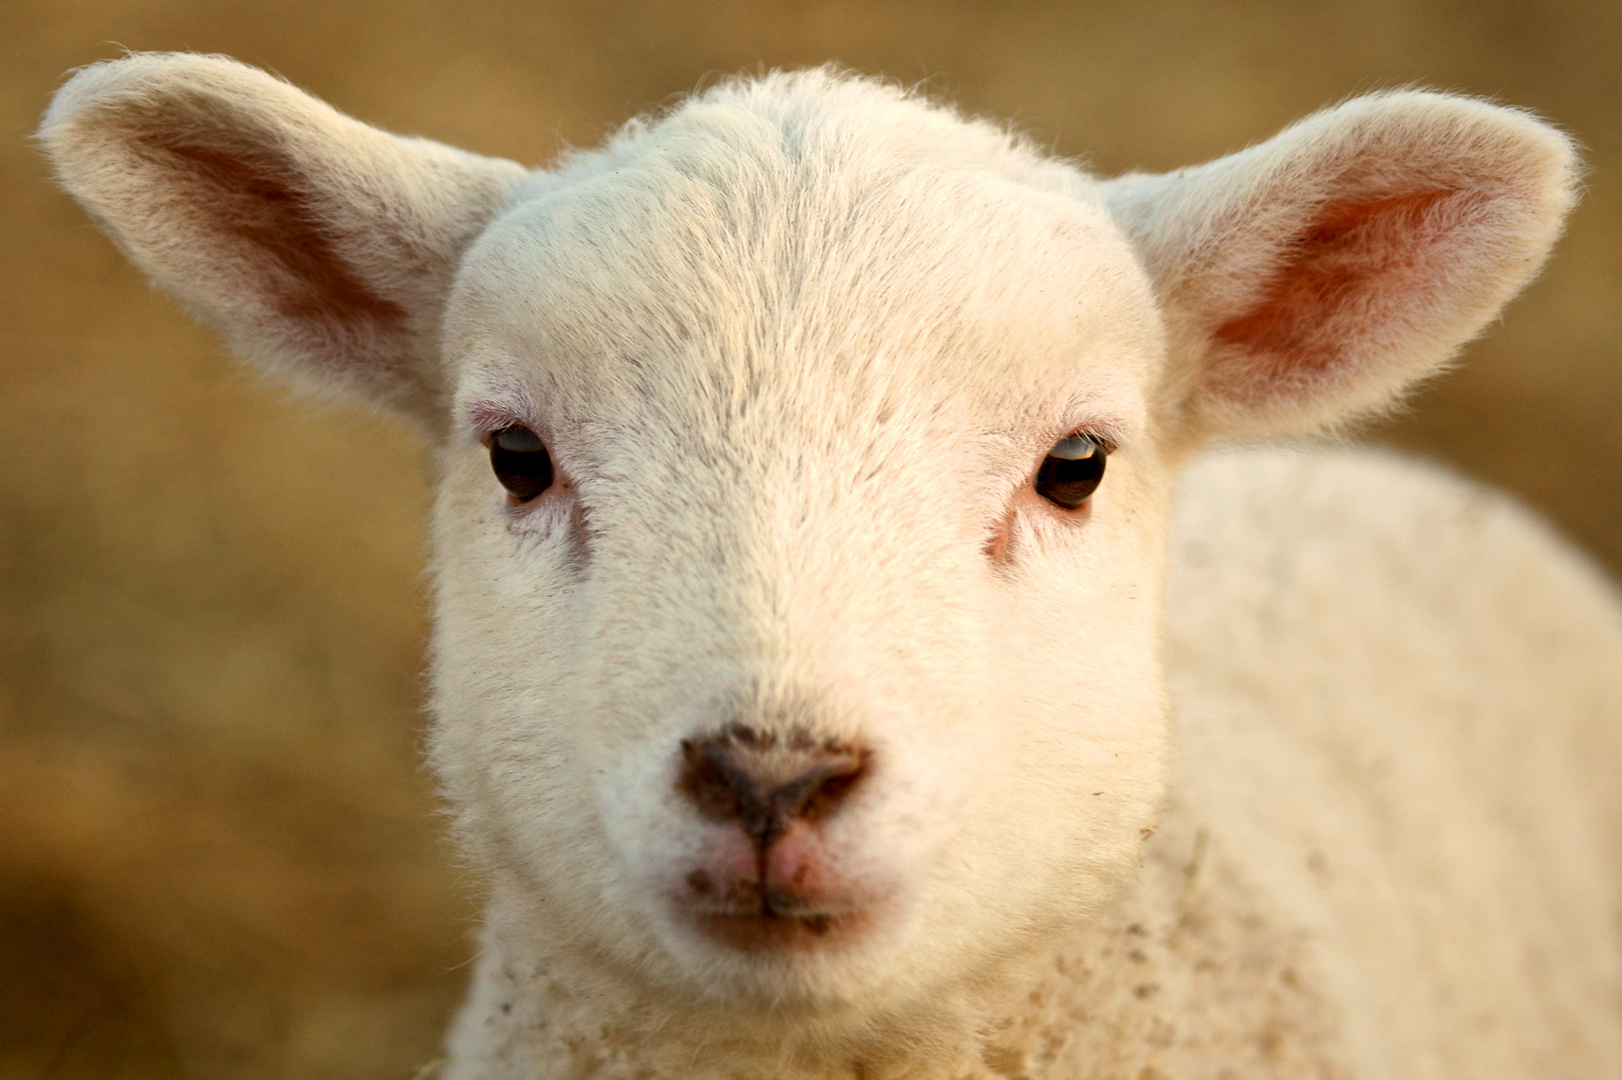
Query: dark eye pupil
point(1069, 476)
point(520, 461)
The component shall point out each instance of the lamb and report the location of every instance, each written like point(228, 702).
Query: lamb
point(850, 657)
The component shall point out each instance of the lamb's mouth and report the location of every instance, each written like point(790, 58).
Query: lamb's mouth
point(776, 921)
point(765, 930)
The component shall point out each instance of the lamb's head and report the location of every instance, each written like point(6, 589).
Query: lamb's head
point(793, 645)
point(790, 653)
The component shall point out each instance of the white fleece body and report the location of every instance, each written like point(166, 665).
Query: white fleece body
point(799, 353)
point(1398, 699)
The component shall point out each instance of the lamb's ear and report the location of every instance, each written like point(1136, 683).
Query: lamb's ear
point(1313, 277)
point(320, 247)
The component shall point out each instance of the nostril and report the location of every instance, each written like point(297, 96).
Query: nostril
point(816, 791)
point(766, 784)
point(713, 782)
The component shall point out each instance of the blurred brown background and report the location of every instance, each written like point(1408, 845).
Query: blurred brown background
point(219, 856)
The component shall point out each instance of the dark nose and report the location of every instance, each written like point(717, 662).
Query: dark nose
point(767, 783)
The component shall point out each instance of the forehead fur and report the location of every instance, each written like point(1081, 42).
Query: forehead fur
point(779, 236)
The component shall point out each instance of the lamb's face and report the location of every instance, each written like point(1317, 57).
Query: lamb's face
point(791, 687)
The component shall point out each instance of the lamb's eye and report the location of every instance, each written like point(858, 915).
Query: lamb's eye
point(520, 461)
point(1071, 472)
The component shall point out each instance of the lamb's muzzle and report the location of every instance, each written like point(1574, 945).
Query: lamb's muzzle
point(766, 882)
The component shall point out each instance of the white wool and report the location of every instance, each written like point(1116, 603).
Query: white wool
point(1335, 805)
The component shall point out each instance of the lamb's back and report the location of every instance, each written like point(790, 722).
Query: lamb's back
point(1400, 707)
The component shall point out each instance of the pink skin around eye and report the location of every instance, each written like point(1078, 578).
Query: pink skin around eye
point(488, 418)
point(558, 503)
point(999, 543)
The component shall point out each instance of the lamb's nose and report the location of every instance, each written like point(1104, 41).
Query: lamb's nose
point(767, 784)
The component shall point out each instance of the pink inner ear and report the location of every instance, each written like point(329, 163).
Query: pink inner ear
point(1365, 260)
point(258, 198)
